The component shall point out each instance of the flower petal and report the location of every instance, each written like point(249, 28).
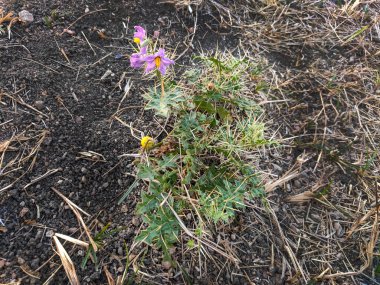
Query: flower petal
point(150, 65)
point(161, 53)
point(167, 61)
point(137, 60)
point(150, 58)
point(140, 33)
point(143, 50)
point(162, 69)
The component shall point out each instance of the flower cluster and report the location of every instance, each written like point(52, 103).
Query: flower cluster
point(151, 62)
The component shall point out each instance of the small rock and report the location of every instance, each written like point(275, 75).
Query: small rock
point(72, 230)
point(23, 212)
point(39, 104)
point(78, 120)
point(172, 250)
point(105, 185)
point(48, 140)
point(339, 229)
point(233, 236)
point(22, 204)
point(297, 184)
point(166, 265)
point(135, 221)
point(49, 233)
point(35, 263)
point(83, 179)
point(25, 16)
point(83, 170)
point(39, 234)
point(120, 269)
point(20, 260)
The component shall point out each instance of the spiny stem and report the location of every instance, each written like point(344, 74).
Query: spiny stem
point(160, 77)
point(162, 88)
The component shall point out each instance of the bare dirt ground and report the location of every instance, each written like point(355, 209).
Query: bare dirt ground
point(60, 94)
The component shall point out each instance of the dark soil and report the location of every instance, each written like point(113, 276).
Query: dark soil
point(73, 114)
point(60, 105)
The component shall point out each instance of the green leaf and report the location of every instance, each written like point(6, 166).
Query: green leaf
point(223, 113)
point(355, 34)
point(126, 193)
point(204, 106)
point(168, 162)
point(190, 243)
point(218, 63)
point(163, 104)
point(146, 172)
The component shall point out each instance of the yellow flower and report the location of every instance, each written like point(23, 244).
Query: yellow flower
point(147, 143)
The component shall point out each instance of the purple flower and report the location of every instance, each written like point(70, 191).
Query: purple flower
point(138, 59)
point(140, 35)
point(159, 61)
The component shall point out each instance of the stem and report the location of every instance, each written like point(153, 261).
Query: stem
point(162, 88)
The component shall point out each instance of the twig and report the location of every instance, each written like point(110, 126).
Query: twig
point(84, 15)
point(51, 69)
point(48, 173)
point(88, 43)
point(21, 102)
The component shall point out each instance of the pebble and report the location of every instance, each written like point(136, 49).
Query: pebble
point(25, 16)
point(39, 234)
point(72, 230)
point(172, 250)
point(20, 260)
point(49, 233)
point(297, 184)
point(166, 265)
point(189, 216)
point(22, 204)
point(23, 212)
point(78, 120)
point(35, 263)
point(135, 221)
point(39, 104)
point(339, 229)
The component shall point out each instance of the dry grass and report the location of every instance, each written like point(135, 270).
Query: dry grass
point(320, 219)
point(67, 263)
point(326, 71)
point(18, 147)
